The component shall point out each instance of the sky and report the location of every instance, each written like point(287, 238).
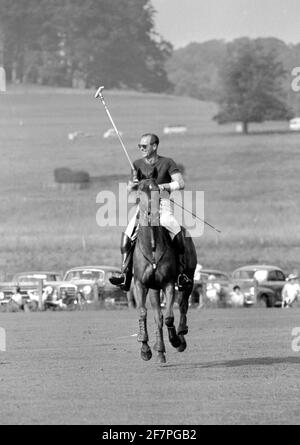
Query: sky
point(184, 21)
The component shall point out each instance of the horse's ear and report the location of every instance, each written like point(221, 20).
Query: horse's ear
point(154, 174)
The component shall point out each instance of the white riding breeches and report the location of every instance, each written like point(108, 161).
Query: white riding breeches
point(167, 220)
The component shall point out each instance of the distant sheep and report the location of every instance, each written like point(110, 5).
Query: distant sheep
point(76, 134)
point(110, 133)
point(175, 129)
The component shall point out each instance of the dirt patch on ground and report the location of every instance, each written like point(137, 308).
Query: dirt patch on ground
point(85, 368)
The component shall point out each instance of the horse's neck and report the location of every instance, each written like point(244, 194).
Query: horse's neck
point(146, 234)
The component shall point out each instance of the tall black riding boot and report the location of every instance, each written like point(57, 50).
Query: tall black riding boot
point(123, 280)
point(183, 281)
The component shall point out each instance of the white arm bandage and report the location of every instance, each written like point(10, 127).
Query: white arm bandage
point(174, 185)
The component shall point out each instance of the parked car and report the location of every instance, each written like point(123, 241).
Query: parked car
point(260, 284)
point(205, 280)
point(29, 282)
point(93, 282)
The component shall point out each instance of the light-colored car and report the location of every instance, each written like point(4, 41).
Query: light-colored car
point(260, 283)
point(31, 286)
point(29, 281)
point(93, 283)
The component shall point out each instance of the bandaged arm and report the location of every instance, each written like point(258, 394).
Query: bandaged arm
point(177, 183)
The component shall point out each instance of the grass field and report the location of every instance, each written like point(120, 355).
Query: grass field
point(250, 182)
point(85, 368)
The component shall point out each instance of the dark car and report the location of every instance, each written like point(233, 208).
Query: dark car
point(260, 284)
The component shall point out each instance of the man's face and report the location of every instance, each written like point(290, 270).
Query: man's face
point(147, 149)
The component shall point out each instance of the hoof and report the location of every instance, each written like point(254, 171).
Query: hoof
point(182, 330)
point(146, 356)
point(173, 337)
point(146, 353)
point(161, 357)
point(175, 342)
point(183, 344)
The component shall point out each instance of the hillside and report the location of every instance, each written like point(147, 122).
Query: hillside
point(250, 182)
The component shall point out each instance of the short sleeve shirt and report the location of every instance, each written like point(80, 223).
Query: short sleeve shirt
point(165, 168)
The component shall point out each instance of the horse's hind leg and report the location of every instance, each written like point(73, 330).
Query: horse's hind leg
point(158, 317)
point(169, 316)
point(141, 294)
point(183, 303)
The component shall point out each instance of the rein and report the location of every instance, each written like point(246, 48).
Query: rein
point(146, 216)
point(153, 240)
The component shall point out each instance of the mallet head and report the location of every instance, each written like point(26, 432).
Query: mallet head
point(99, 92)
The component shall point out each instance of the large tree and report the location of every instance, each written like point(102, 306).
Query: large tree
point(194, 70)
point(114, 42)
point(251, 79)
point(30, 37)
point(111, 42)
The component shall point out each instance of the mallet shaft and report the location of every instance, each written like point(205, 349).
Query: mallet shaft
point(99, 94)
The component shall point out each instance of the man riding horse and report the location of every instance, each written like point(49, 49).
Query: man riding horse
point(169, 179)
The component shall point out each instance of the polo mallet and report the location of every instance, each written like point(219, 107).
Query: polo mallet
point(197, 217)
point(99, 94)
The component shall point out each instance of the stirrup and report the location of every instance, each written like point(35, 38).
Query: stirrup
point(118, 280)
point(183, 282)
point(123, 281)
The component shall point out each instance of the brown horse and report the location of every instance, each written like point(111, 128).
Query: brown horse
point(155, 270)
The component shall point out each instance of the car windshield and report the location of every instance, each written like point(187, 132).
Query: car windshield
point(221, 277)
point(214, 276)
point(244, 274)
point(261, 275)
point(32, 278)
point(85, 274)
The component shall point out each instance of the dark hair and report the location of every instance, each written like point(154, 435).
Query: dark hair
point(236, 287)
point(154, 138)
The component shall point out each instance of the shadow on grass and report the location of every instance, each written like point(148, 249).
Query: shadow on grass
point(251, 361)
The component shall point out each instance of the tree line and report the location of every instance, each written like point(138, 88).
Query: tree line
point(80, 43)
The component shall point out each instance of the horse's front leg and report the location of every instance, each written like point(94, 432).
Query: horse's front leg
point(158, 318)
point(141, 295)
point(169, 291)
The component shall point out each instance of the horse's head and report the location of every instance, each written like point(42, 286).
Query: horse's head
point(148, 191)
point(147, 182)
